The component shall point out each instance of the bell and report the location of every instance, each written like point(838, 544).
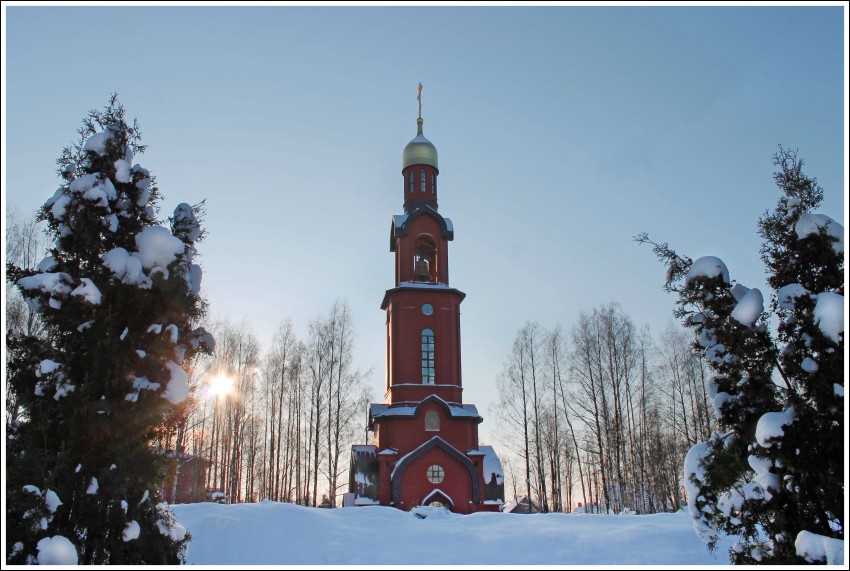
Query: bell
point(421, 272)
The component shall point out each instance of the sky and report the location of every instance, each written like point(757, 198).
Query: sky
point(562, 132)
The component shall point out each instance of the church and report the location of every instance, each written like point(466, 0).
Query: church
point(424, 448)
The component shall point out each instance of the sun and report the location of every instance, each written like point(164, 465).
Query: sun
point(220, 385)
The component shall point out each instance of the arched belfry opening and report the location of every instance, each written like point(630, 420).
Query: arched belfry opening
point(425, 260)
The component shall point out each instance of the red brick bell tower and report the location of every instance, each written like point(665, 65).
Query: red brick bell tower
point(424, 446)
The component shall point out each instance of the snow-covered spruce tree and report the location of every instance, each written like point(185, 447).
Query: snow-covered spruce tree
point(773, 476)
point(804, 255)
point(117, 295)
point(730, 333)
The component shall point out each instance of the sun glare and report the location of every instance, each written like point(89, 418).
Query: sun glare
point(220, 385)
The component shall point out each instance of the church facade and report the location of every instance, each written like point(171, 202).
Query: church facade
point(424, 446)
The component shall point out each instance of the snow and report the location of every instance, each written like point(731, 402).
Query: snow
point(132, 531)
point(122, 171)
point(128, 268)
point(194, 278)
point(158, 247)
point(55, 284)
point(787, 295)
point(708, 267)
point(814, 547)
point(56, 550)
point(810, 223)
point(52, 501)
point(420, 285)
point(46, 367)
point(249, 534)
point(771, 424)
point(60, 207)
point(185, 222)
point(111, 222)
point(141, 383)
point(749, 308)
point(492, 465)
point(739, 291)
point(829, 314)
point(361, 501)
point(178, 387)
point(47, 264)
point(719, 400)
point(764, 477)
point(94, 187)
point(707, 338)
point(97, 142)
point(399, 220)
point(177, 531)
point(809, 365)
point(172, 332)
point(88, 291)
point(692, 469)
point(381, 409)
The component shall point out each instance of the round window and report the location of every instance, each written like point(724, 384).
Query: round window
point(427, 309)
point(436, 474)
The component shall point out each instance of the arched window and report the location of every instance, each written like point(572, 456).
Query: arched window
point(433, 183)
point(424, 261)
point(432, 421)
point(410, 177)
point(421, 180)
point(427, 357)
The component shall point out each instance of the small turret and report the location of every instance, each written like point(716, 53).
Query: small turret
point(419, 167)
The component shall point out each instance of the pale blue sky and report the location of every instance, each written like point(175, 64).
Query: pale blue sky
point(562, 133)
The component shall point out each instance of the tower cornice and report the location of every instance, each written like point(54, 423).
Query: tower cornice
point(439, 289)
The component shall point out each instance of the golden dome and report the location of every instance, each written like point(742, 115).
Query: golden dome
point(419, 151)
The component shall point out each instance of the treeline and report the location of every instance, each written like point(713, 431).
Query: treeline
point(276, 422)
point(601, 415)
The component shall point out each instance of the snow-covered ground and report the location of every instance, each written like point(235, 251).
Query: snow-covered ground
point(272, 533)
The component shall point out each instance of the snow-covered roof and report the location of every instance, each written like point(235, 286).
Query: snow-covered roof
point(427, 445)
point(492, 464)
point(435, 287)
point(520, 504)
point(435, 492)
point(384, 410)
point(401, 222)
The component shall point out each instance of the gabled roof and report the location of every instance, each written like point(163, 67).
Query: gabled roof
point(397, 475)
point(437, 492)
point(453, 410)
point(401, 222)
